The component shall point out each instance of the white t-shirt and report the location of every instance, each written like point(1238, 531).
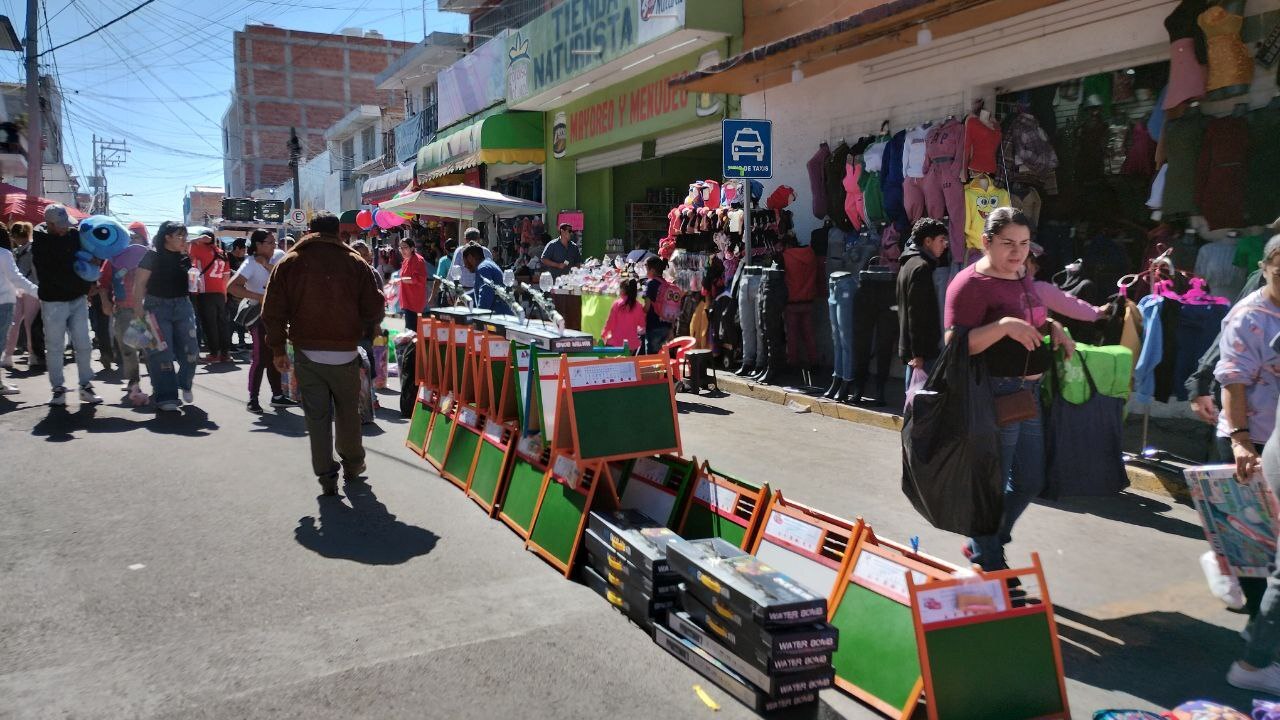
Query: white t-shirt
point(255, 275)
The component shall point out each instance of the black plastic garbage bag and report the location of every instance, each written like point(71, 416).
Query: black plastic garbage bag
point(1083, 443)
point(951, 446)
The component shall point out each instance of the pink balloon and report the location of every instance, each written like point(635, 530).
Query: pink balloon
point(387, 220)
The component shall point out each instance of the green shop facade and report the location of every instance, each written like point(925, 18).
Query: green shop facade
point(622, 145)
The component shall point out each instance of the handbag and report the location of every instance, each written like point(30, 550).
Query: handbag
point(1019, 405)
point(248, 312)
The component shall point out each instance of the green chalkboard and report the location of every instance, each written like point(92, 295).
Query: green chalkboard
point(702, 523)
point(625, 421)
point(877, 650)
point(521, 498)
point(419, 423)
point(488, 472)
point(461, 455)
point(460, 359)
point(499, 370)
point(438, 438)
point(1015, 652)
point(555, 529)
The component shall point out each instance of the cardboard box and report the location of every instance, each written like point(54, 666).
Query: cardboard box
point(624, 576)
point(666, 582)
point(724, 678)
point(639, 539)
point(769, 674)
point(643, 613)
point(744, 583)
point(761, 645)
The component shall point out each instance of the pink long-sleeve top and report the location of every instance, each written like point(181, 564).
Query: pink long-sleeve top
point(1060, 302)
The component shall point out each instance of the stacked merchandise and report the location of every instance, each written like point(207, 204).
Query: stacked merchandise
point(748, 628)
point(627, 564)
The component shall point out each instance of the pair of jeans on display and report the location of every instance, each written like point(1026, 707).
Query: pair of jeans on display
point(1022, 464)
point(773, 318)
point(875, 332)
point(176, 321)
point(859, 248)
point(753, 351)
point(841, 287)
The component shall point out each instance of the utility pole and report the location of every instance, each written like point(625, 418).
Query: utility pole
point(106, 154)
point(295, 154)
point(35, 145)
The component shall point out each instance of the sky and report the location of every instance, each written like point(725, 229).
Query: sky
point(161, 80)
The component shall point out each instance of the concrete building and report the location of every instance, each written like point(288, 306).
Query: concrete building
point(358, 148)
point(304, 80)
point(60, 180)
point(202, 205)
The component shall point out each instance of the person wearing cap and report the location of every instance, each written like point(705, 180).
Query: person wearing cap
point(562, 255)
point(64, 303)
point(115, 287)
point(209, 259)
point(470, 237)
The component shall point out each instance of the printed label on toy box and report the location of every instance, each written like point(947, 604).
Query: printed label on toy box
point(884, 575)
point(493, 431)
point(972, 599)
point(793, 616)
point(566, 469)
point(651, 470)
point(800, 645)
point(602, 374)
point(794, 532)
point(717, 497)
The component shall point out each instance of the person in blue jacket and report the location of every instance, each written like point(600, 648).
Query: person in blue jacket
point(488, 277)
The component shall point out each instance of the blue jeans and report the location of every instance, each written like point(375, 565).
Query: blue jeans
point(60, 319)
point(749, 320)
point(176, 320)
point(6, 317)
point(1022, 463)
point(840, 314)
point(655, 338)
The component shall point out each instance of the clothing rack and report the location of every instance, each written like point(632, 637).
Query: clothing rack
point(1160, 267)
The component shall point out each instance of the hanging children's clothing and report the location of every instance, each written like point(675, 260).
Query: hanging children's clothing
point(913, 163)
point(853, 204)
point(981, 196)
point(981, 142)
point(869, 182)
point(944, 191)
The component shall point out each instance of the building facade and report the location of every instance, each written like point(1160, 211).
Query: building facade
point(294, 79)
point(202, 205)
point(59, 179)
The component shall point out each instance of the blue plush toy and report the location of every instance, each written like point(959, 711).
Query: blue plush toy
point(101, 238)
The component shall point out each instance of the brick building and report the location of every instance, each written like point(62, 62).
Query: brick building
point(202, 205)
point(290, 78)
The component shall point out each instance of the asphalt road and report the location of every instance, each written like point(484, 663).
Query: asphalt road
point(185, 568)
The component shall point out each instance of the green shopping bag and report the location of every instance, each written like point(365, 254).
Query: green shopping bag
point(1110, 365)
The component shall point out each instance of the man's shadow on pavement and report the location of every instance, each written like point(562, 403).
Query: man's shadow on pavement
point(1165, 658)
point(365, 532)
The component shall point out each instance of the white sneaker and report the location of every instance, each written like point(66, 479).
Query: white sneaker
point(59, 396)
point(8, 389)
point(1265, 680)
point(88, 396)
point(187, 397)
point(167, 407)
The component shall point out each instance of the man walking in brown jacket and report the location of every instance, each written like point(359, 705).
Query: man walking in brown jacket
point(322, 298)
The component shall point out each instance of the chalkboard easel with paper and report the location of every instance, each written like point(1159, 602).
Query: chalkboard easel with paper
point(878, 658)
point(468, 425)
point(812, 547)
point(723, 506)
point(496, 391)
point(450, 340)
point(658, 486)
point(972, 630)
point(570, 490)
point(615, 409)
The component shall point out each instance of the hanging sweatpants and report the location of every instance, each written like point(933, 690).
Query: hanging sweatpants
point(913, 198)
point(840, 288)
point(944, 197)
point(773, 316)
point(875, 330)
point(748, 317)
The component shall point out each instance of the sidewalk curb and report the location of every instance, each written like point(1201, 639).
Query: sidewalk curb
point(1169, 485)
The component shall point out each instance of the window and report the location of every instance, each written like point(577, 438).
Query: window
point(429, 107)
point(348, 153)
point(368, 141)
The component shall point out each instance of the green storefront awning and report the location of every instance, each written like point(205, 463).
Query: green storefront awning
point(503, 137)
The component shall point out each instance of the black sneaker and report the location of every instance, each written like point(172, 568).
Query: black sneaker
point(254, 407)
point(328, 485)
point(281, 401)
point(352, 474)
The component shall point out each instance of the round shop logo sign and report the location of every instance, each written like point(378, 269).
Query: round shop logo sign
point(560, 135)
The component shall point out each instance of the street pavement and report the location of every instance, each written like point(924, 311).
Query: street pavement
point(185, 568)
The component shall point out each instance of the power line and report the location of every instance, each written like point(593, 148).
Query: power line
point(98, 29)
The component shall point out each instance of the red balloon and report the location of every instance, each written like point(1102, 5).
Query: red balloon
point(364, 219)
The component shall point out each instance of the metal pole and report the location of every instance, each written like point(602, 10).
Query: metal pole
point(35, 148)
point(295, 154)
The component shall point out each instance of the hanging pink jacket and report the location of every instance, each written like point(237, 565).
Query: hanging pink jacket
point(853, 206)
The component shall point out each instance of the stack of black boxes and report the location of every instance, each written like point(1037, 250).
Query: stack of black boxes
point(627, 565)
point(748, 628)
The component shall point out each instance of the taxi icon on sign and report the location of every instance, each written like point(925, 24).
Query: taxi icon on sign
point(747, 144)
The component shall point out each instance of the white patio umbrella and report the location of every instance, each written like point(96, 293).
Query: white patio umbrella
point(462, 202)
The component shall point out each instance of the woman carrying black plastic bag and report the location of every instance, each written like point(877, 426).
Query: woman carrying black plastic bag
point(997, 303)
